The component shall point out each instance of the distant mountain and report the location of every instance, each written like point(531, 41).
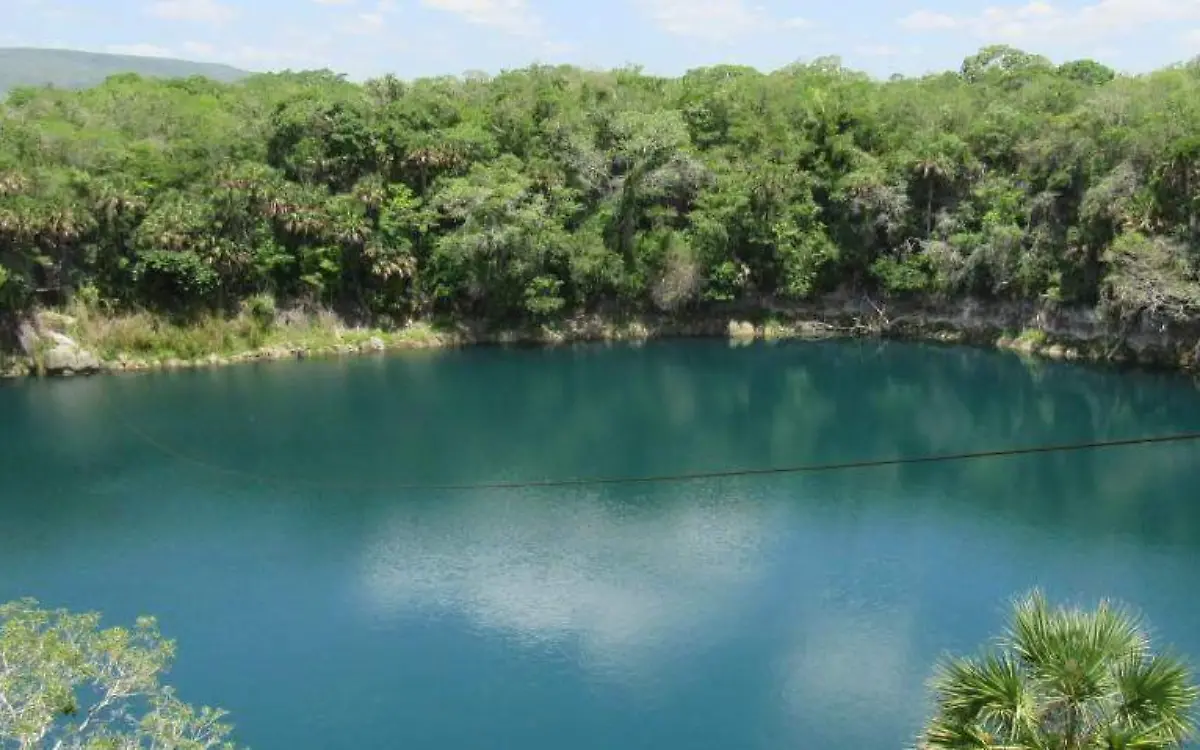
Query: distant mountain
point(72, 69)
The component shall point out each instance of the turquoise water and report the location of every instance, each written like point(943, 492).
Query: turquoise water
point(266, 515)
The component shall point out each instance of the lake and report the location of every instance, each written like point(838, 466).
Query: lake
point(279, 520)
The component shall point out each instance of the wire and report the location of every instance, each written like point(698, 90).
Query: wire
point(813, 468)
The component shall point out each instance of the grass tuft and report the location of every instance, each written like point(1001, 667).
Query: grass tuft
point(257, 328)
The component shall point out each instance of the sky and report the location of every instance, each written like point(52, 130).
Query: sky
point(413, 38)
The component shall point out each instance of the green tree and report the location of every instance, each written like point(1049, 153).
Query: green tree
point(1087, 71)
point(541, 192)
point(65, 682)
point(1064, 679)
point(1004, 66)
point(643, 145)
point(504, 251)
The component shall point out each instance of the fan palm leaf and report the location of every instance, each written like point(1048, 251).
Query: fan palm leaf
point(1064, 679)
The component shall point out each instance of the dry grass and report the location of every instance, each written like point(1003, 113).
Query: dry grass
point(145, 337)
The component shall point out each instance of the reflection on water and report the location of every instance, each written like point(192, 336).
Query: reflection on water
point(262, 513)
point(622, 585)
point(845, 663)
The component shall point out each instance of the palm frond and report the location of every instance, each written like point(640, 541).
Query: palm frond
point(1116, 632)
point(1031, 633)
point(1065, 678)
point(944, 734)
point(990, 691)
point(1157, 692)
point(1135, 738)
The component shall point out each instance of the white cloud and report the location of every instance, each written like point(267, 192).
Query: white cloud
point(798, 23)
point(511, 16)
point(1191, 37)
point(208, 11)
point(848, 660)
point(1043, 21)
point(365, 23)
point(926, 20)
point(710, 20)
point(334, 2)
point(619, 586)
point(138, 50)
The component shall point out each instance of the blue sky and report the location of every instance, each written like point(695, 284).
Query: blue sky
point(431, 37)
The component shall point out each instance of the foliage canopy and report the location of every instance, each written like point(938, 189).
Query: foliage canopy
point(67, 683)
point(552, 190)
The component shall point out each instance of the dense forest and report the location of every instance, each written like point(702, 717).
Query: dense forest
point(548, 191)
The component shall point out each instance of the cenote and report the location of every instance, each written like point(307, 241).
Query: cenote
point(273, 518)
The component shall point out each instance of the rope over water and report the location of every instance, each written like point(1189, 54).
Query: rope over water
point(810, 468)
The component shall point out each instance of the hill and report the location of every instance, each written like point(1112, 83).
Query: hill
point(73, 69)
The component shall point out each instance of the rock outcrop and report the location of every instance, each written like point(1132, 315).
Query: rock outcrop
point(52, 351)
point(1033, 329)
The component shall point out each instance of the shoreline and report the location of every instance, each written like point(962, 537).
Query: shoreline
point(1074, 335)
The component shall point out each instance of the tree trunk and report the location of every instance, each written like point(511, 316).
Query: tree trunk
point(929, 211)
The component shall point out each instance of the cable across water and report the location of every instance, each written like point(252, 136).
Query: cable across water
point(803, 468)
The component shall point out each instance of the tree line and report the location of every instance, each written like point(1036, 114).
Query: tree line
point(549, 191)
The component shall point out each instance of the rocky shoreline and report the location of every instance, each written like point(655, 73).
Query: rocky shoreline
point(1076, 334)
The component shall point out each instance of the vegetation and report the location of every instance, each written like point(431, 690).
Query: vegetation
point(70, 69)
point(144, 335)
point(67, 683)
point(1064, 679)
point(552, 191)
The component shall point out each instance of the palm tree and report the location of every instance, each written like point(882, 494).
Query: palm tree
point(1064, 679)
point(934, 169)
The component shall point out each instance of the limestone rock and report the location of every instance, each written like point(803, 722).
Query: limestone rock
point(742, 330)
point(66, 358)
point(57, 353)
point(29, 338)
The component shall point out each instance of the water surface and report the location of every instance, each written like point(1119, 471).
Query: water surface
point(273, 518)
